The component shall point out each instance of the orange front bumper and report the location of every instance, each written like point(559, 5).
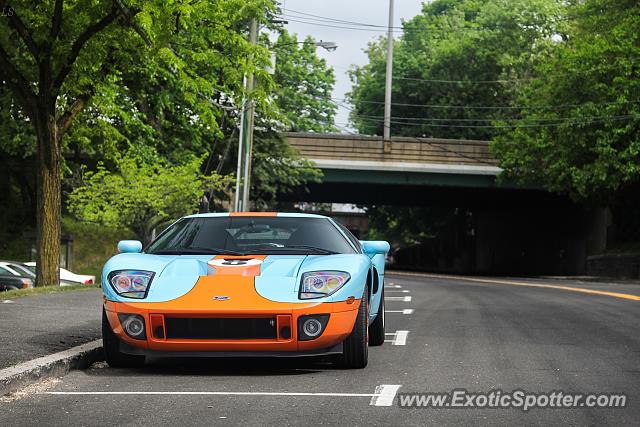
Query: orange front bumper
point(342, 317)
point(243, 302)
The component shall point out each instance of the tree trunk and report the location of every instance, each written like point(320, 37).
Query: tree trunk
point(49, 204)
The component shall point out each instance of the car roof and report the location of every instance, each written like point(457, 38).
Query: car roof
point(263, 214)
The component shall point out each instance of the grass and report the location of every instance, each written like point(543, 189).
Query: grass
point(43, 290)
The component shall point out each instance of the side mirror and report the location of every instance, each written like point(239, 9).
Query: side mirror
point(129, 246)
point(375, 247)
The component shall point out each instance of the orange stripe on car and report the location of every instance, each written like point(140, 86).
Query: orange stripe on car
point(253, 214)
point(251, 270)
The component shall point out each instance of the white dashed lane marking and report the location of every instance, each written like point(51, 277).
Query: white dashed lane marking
point(404, 291)
point(405, 311)
point(403, 299)
point(385, 394)
point(399, 338)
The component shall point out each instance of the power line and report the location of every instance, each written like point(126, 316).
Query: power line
point(521, 79)
point(542, 122)
point(329, 19)
point(569, 122)
point(336, 26)
point(349, 24)
point(487, 107)
point(412, 120)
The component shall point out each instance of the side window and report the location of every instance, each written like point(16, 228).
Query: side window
point(22, 271)
point(350, 236)
point(5, 272)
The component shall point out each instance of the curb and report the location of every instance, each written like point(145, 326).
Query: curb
point(54, 365)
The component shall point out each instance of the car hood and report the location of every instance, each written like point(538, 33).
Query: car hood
point(276, 279)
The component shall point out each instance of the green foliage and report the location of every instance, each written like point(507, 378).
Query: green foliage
point(304, 86)
point(141, 195)
point(450, 65)
point(406, 226)
point(590, 85)
point(277, 168)
point(163, 83)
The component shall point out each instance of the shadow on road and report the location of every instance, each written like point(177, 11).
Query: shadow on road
point(215, 366)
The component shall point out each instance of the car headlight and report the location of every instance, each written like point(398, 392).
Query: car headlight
point(131, 283)
point(319, 284)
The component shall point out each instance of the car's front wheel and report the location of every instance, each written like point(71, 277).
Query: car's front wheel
point(355, 349)
point(111, 345)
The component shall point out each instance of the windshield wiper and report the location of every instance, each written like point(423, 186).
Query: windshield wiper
point(313, 248)
point(293, 247)
point(196, 251)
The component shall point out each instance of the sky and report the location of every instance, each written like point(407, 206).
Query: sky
point(351, 43)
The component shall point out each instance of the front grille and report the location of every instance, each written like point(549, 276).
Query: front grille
point(220, 328)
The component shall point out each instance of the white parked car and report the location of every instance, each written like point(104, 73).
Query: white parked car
point(68, 276)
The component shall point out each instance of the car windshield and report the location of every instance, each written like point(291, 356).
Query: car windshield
point(251, 235)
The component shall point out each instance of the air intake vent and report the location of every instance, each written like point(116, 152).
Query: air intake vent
point(220, 328)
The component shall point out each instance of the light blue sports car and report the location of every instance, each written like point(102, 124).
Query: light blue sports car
point(246, 284)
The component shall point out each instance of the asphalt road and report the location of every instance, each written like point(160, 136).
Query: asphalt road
point(478, 336)
point(39, 325)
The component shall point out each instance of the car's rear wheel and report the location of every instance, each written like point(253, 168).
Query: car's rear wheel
point(355, 349)
point(376, 330)
point(111, 344)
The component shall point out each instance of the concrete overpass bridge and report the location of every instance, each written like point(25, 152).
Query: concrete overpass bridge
point(408, 171)
point(495, 226)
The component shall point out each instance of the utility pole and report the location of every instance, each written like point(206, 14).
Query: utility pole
point(245, 143)
point(388, 77)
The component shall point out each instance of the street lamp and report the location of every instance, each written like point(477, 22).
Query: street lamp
point(328, 46)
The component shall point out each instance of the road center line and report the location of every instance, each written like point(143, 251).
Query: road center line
point(385, 394)
point(531, 285)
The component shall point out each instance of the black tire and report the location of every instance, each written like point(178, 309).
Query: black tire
point(111, 345)
point(376, 330)
point(10, 288)
point(355, 349)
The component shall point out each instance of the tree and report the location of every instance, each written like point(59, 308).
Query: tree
point(142, 196)
point(54, 57)
point(580, 128)
point(277, 169)
point(455, 67)
point(304, 85)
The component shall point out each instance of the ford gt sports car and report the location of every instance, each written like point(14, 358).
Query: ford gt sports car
point(245, 284)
